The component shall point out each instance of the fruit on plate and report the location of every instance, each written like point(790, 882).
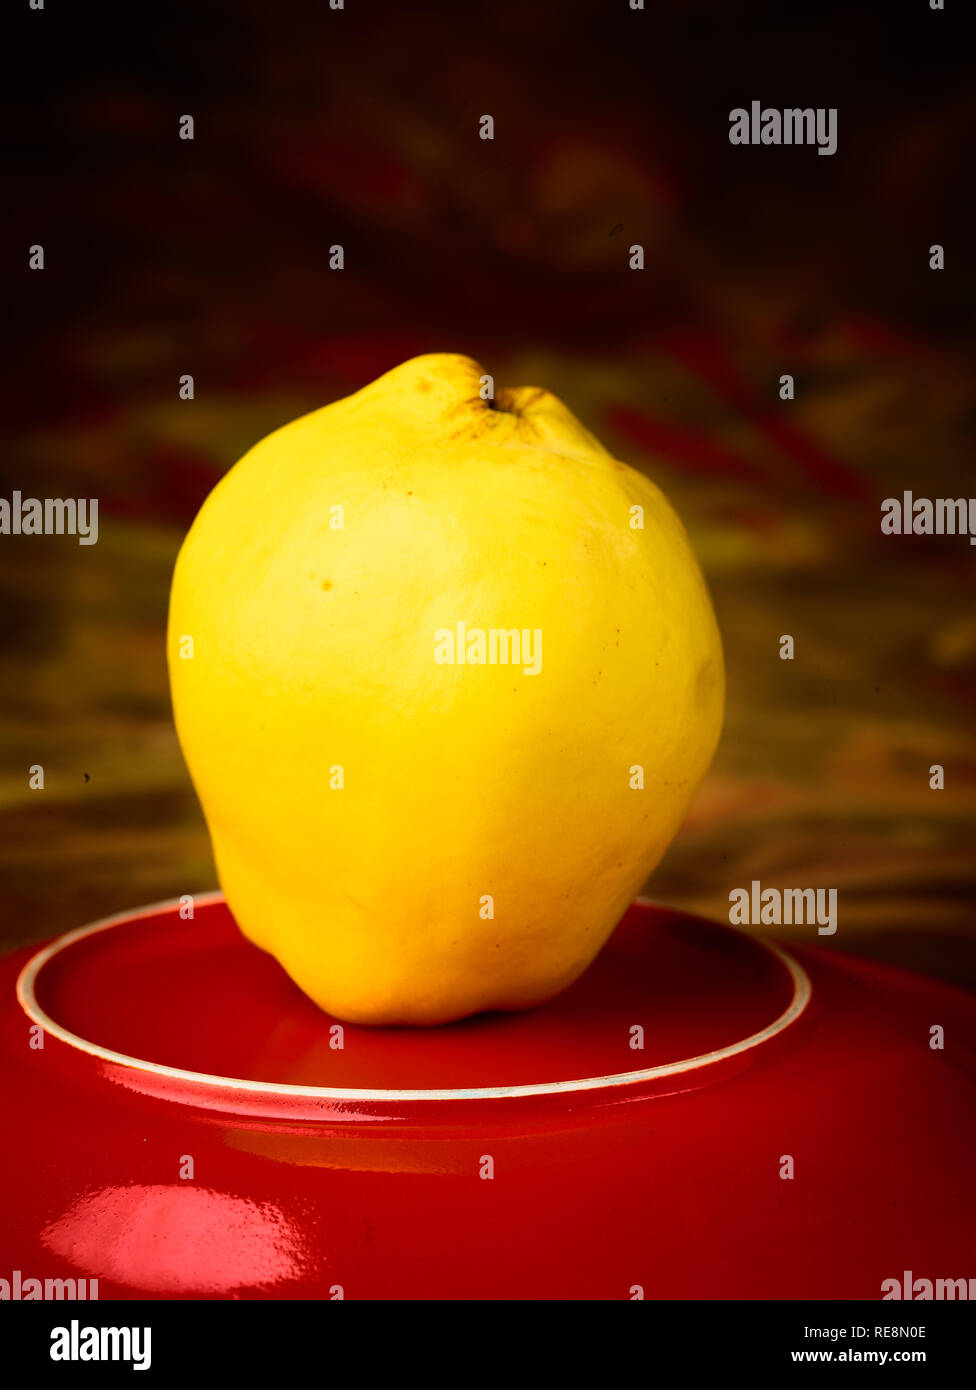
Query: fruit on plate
point(446, 676)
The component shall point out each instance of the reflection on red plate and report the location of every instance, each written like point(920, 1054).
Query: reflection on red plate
point(161, 1238)
point(192, 1126)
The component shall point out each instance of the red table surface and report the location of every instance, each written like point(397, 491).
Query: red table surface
point(672, 1186)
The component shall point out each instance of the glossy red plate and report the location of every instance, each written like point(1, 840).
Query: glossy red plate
point(193, 1126)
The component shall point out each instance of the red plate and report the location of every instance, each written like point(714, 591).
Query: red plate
point(192, 1126)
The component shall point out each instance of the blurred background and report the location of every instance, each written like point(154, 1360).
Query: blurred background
point(360, 126)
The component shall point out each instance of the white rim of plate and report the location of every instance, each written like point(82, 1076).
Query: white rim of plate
point(27, 999)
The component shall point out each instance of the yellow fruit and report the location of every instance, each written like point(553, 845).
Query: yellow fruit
point(415, 839)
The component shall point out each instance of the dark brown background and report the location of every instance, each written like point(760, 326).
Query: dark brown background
point(360, 127)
